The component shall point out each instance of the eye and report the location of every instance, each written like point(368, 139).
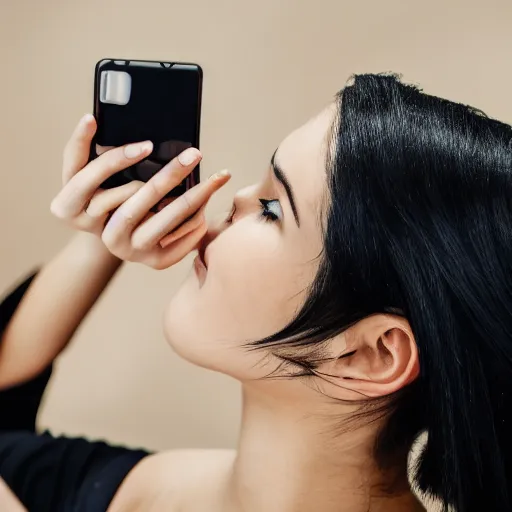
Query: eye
point(271, 210)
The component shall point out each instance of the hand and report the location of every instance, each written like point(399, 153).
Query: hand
point(122, 216)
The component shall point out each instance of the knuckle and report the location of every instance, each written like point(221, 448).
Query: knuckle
point(140, 243)
point(111, 161)
point(95, 207)
point(117, 232)
point(110, 240)
point(75, 188)
point(92, 211)
point(108, 162)
point(157, 188)
point(95, 213)
point(118, 158)
point(134, 186)
point(123, 218)
point(184, 202)
point(57, 210)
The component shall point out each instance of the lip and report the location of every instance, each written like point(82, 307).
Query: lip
point(201, 260)
point(204, 255)
point(201, 253)
point(200, 269)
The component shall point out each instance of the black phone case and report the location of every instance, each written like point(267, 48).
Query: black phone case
point(164, 106)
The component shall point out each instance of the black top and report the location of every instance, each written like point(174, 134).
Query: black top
point(53, 474)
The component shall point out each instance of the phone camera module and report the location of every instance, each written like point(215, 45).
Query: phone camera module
point(115, 87)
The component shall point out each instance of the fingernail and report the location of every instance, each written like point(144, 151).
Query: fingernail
point(220, 175)
point(135, 150)
point(189, 156)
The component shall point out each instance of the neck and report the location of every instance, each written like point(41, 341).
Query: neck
point(288, 462)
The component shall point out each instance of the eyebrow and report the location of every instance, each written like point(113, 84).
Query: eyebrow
point(281, 177)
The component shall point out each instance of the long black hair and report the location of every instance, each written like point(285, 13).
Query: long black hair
point(419, 223)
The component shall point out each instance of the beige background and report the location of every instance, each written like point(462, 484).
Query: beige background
point(268, 65)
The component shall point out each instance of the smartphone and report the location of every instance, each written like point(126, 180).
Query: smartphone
point(137, 100)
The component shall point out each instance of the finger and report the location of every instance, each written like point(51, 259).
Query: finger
point(186, 228)
point(101, 206)
point(169, 177)
point(195, 221)
point(73, 197)
point(176, 251)
point(76, 152)
point(183, 207)
point(104, 201)
point(103, 149)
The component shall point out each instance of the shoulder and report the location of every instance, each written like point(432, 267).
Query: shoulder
point(168, 480)
point(206, 457)
point(187, 469)
point(8, 500)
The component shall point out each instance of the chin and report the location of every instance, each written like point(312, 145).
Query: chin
point(184, 326)
point(199, 331)
point(179, 326)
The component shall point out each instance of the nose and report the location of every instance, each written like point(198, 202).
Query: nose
point(218, 224)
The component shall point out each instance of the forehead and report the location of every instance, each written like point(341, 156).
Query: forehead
point(302, 156)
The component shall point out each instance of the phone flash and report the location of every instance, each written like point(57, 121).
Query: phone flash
point(115, 87)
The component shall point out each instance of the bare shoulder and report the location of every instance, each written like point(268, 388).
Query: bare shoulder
point(172, 479)
point(187, 466)
point(8, 501)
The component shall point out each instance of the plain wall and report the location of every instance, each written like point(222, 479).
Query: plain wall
point(268, 66)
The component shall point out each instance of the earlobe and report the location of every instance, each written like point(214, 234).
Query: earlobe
point(378, 358)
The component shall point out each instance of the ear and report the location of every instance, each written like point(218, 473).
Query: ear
point(373, 358)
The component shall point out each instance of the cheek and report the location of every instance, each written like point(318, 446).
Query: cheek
point(254, 282)
point(255, 285)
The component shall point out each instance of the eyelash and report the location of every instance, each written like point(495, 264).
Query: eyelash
point(267, 215)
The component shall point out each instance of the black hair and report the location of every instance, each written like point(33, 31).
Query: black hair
point(419, 223)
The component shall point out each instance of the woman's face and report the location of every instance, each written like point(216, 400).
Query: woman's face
point(259, 262)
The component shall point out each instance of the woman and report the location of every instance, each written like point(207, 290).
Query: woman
point(360, 292)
